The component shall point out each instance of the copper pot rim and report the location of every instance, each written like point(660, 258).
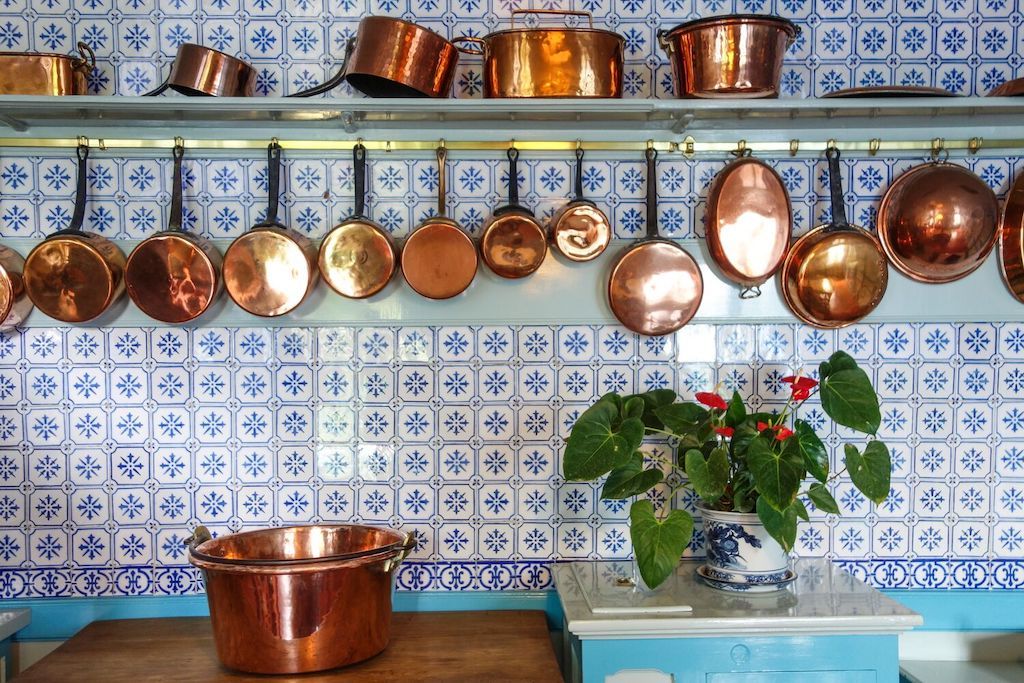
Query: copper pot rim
point(212, 50)
point(883, 234)
point(787, 25)
point(58, 55)
point(7, 283)
point(383, 18)
point(554, 29)
point(377, 228)
point(84, 238)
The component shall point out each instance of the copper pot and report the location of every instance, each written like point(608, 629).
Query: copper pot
point(837, 273)
point(656, 286)
point(174, 275)
point(733, 56)
point(302, 598)
point(74, 275)
point(513, 244)
point(14, 302)
point(748, 223)
point(1011, 240)
point(200, 70)
point(271, 269)
point(358, 257)
point(938, 222)
point(550, 62)
point(580, 231)
point(46, 73)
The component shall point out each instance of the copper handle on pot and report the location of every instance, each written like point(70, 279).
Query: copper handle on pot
point(470, 50)
point(408, 545)
point(664, 42)
point(555, 12)
point(88, 57)
point(199, 536)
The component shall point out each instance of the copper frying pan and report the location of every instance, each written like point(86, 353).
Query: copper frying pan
point(74, 275)
point(655, 287)
point(271, 269)
point(14, 302)
point(837, 273)
point(749, 223)
point(174, 275)
point(358, 257)
point(580, 231)
point(1011, 240)
point(439, 260)
point(514, 243)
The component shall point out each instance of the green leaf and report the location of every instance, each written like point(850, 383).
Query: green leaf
point(870, 471)
point(658, 544)
point(849, 399)
point(736, 413)
point(822, 499)
point(781, 525)
point(614, 399)
point(743, 492)
point(633, 407)
point(812, 450)
point(777, 473)
point(801, 510)
point(595, 448)
point(709, 477)
point(653, 400)
point(682, 418)
point(630, 479)
point(839, 361)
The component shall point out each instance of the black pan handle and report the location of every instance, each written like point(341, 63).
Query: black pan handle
point(332, 82)
point(273, 184)
point(160, 88)
point(513, 176)
point(652, 192)
point(579, 173)
point(78, 218)
point(175, 221)
point(359, 170)
point(835, 187)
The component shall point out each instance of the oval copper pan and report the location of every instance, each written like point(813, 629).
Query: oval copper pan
point(938, 222)
point(749, 223)
point(1011, 240)
point(655, 286)
point(580, 231)
point(514, 243)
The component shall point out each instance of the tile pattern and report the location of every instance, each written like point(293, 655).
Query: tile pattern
point(114, 442)
point(966, 46)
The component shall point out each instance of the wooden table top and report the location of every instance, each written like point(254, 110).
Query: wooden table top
point(425, 646)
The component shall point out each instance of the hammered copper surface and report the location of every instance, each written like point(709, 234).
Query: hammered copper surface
point(439, 260)
point(173, 276)
point(357, 259)
point(14, 302)
point(748, 222)
point(268, 271)
point(655, 288)
point(200, 70)
point(736, 56)
point(75, 277)
point(296, 599)
point(395, 58)
point(1011, 240)
point(938, 222)
point(43, 73)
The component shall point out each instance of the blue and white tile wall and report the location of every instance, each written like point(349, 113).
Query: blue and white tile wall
point(966, 46)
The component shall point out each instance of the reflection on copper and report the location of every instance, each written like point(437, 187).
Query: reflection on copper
point(74, 277)
point(580, 231)
point(655, 288)
point(938, 222)
point(14, 302)
point(46, 73)
point(357, 258)
point(201, 70)
point(1011, 240)
point(268, 271)
point(395, 58)
point(439, 260)
point(514, 244)
point(173, 276)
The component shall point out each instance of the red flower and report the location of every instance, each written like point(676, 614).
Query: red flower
point(801, 394)
point(711, 400)
point(761, 426)
point(800, 386)
point(725, 431)
point(781, 433)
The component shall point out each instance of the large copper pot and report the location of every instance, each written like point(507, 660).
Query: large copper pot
point(303, 598)
point(550, 62)
point(390, 57)
point(46, 73)
point(938, 222)
point(734, 56)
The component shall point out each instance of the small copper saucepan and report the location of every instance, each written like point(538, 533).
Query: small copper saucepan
point(837, 273)
point(14, 302)
point(656, 286)
point(271, 269)
point(200, 70)
point(358, 257)
point(439, 260)
point(580, 231)
point(174, 275)
point(514, 243)
point(46, 73)
point(74, 275)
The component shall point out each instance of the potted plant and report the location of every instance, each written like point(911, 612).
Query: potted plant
point(755, 472)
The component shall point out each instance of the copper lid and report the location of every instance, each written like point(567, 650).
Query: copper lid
point(267, 271)
point(69, 277)
point(439, 260)
point(357, 259)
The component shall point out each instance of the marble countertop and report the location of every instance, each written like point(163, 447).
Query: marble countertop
point(12, 621)
point(824, 600)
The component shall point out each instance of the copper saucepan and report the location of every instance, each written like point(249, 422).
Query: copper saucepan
point(200, 70)
point(514, 243)
point(74, 275)
point(14, 302)
point(439, 260)
point(46, 73)
point(748, 223)
point(938, 222)
point(174, 275)
point(1011, 240)
point(550, 62)
point(656, 286)
point(271, 269)
point(358, 256)
point(580, 231)
point(837, 273)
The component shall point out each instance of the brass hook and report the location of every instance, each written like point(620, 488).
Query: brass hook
point(178, 141)
point(102, 144)
point(794, 147)
point(387, 146)
point(689, 146)
point(938, 146)
point(874, 144)
point(974, 144)
point(83, 141)
point(650, 144)
point(741, 149)
point(831, 144)
point(579, 145)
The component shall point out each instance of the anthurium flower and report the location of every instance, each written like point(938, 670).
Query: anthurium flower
point(782, 433)
point(795, 382)
point(801, 394)
point(725, 431)
point(711, 400)
point(761, 426)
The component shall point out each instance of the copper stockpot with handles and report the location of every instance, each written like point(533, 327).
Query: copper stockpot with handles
point(74, 275)
point(46, 73)
point(550, 62)
point(290, 600)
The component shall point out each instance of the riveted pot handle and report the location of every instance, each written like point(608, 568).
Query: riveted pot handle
point(408, 545)
point(835, 186)
point(199, 536)
point(553, 12)
point(470, 50)
point(664, 41)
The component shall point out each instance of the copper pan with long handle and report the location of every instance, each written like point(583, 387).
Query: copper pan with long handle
point(580, 231)
point(514, 242)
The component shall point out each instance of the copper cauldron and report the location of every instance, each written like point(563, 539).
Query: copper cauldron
point(302, 598)
point(550, 62)
point(46, 73)
point(730, 56)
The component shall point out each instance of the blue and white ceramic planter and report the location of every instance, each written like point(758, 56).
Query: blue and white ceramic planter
point(741, 553)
